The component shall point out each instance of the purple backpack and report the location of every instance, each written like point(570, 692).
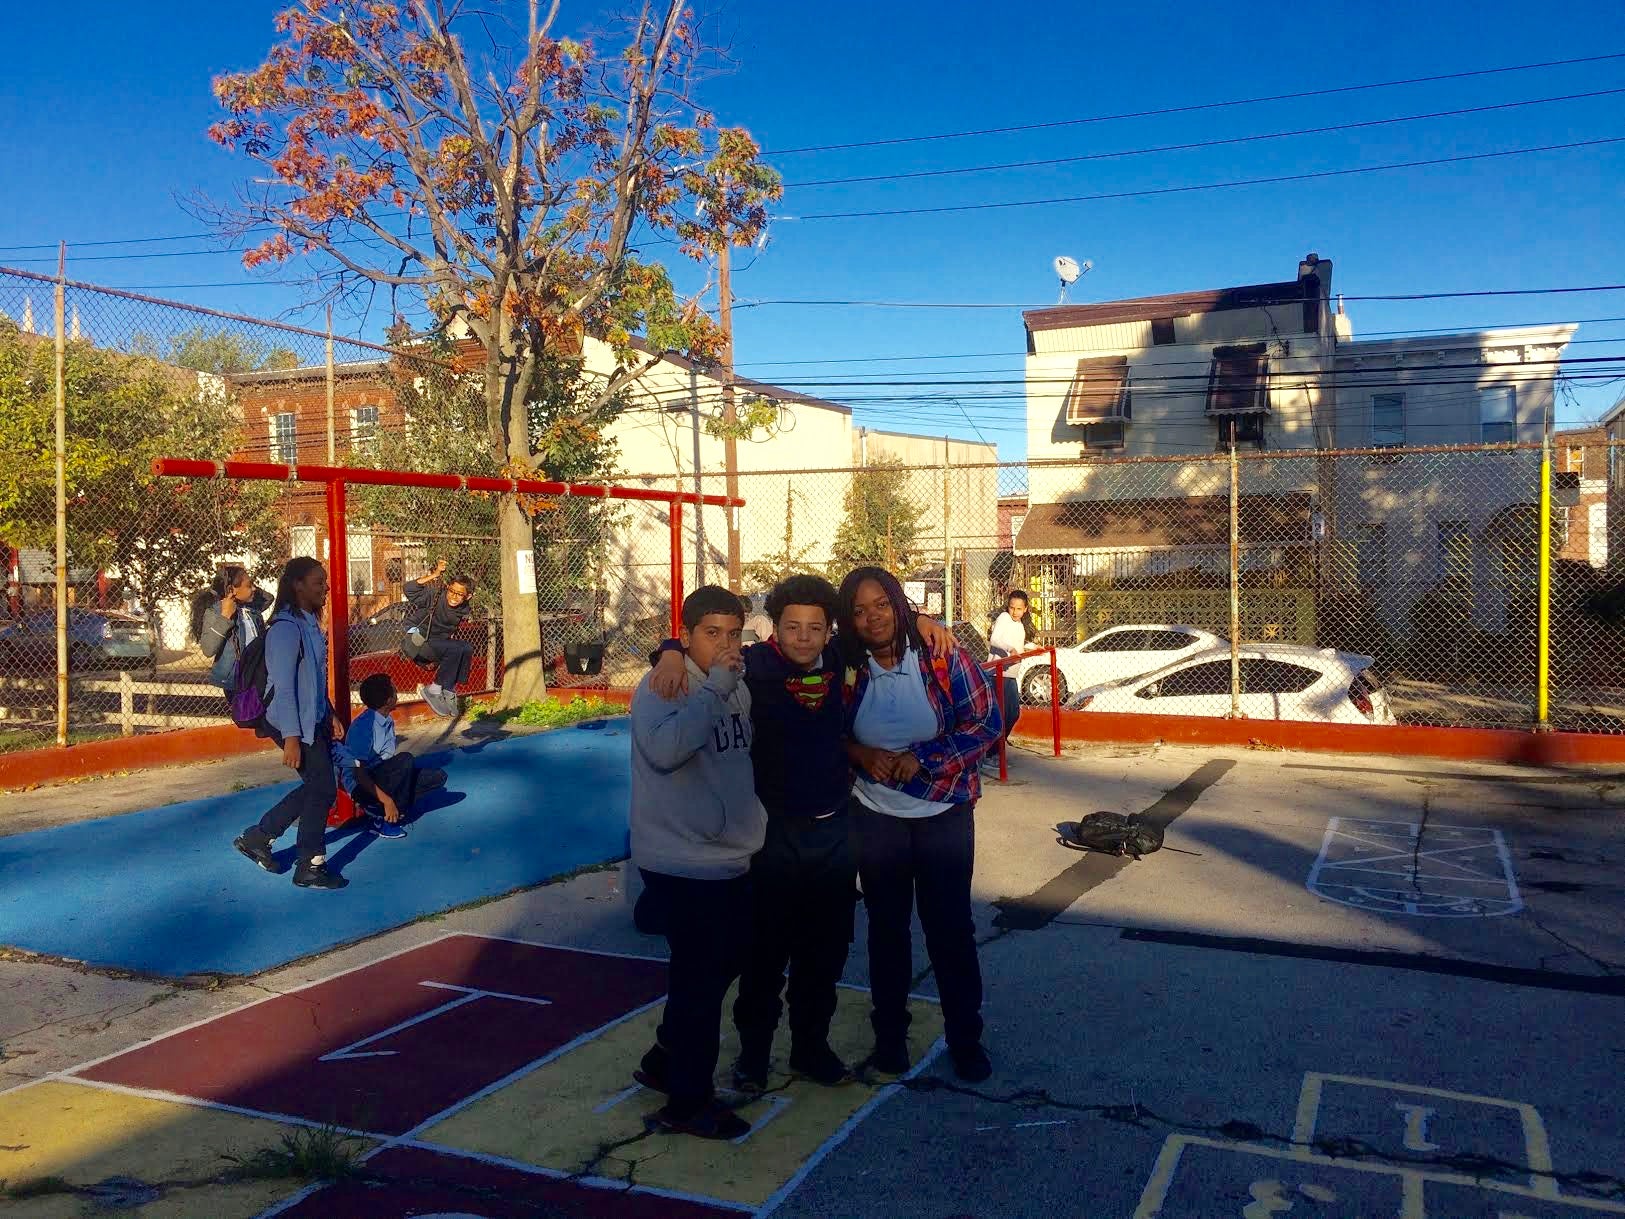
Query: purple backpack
point(251, 693)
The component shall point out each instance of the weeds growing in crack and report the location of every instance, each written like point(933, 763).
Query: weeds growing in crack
point(320, 1153)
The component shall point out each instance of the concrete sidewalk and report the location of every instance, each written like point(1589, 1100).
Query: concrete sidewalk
point(1158, 1026)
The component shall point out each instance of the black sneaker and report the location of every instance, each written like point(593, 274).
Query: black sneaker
point(971, 1062)
point(820, 1064)
point(653, 1071)
point(254, 846)
point(316, 876)
point(890, 1057)
point(712, 1120)
point(750, 1071)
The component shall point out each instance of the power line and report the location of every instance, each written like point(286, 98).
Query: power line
point(1405, 296)
point(1206, 186)
point(1192, 107)
point(1196, 144)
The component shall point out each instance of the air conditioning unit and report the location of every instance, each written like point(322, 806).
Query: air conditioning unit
point(1105, 434)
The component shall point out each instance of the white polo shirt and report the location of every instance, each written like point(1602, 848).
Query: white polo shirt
point(896, 712)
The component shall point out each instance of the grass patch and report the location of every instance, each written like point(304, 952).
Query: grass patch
point(35, 1187)
point(317, 1153)
point(549, 713)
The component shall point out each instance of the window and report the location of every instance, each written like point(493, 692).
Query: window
point(1275, 677)
point(1016, 521)
point(1162, 331)
point(302, 541)
point(364, 429)
point(1248, 429)
point(358, 548)
point(1099, 390)
point(1168, 641)
point(1212, 677)
point(1576, 458)
point(1119, 641)
point(1371, 557)
point(1456, 557)
point(1498, 414)
point(284, 441)
point(1104, 434)
point(1387, 421)
point(1238, 380)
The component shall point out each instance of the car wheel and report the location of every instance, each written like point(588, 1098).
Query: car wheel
point(1035, 686)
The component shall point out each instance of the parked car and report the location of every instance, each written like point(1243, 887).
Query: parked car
point(375, 646)
point(1117, 653)
point(1278, 682)
point(97, 639)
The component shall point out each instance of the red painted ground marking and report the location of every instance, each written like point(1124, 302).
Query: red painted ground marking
point(451, 1185)
point(266, 1057)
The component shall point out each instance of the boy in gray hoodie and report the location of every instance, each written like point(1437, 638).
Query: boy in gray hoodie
point(696, 822)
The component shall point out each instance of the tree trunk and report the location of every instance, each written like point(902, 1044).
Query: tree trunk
point(524, 675)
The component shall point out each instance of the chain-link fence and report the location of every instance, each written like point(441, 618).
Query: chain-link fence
point(1394, 585)
point(148, 558)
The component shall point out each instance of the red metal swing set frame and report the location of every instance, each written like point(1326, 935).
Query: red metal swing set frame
point(337, 479)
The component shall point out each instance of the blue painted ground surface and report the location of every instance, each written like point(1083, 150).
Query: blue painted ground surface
point(163, 890)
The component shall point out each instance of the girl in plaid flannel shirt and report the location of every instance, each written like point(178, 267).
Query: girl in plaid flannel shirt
point(917, 731)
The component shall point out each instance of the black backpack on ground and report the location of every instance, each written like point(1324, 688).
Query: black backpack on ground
point(1112, 834)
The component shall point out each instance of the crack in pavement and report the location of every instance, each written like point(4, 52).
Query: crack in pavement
point(1133, 1113)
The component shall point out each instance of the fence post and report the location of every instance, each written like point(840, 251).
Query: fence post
point(1543, 615)
point(126, 702)
point(61, 500)
point(332, 445)
point(338, 561)
point(1235, 581)
point(676, 516)
point(947, 545)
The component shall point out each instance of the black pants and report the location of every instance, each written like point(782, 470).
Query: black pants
point(308, 804)
point(707, 926)
point(1012, 705)
point(926, 860)
point(398, 777)
point(451, 656)
point(804, 896)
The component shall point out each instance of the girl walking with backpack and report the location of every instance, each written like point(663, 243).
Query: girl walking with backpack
point(303, 725)
point(227, 617)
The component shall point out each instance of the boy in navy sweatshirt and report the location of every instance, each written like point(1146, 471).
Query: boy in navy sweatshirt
point(804, 878)
point(696, 822)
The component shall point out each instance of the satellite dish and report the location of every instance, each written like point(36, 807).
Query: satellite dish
point(1067, 270)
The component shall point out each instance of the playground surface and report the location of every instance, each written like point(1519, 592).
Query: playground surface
point(1348, 987)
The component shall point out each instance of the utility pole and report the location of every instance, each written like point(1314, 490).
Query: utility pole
point(62, 501)
point(699, 508)
point(730, 446)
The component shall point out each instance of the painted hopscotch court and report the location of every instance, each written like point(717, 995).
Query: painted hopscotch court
point(481, 1077)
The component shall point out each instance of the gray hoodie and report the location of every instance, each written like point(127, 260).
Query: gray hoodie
point(694, 806)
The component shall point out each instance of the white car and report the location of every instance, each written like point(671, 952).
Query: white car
point(1278, 682)
point(1115, 654)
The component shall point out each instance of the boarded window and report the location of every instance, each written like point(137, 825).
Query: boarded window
point(1162, 331)
point(1099, 390)
point(1238, 380)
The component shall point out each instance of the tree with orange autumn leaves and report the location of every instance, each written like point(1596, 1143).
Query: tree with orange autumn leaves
point(496, 175)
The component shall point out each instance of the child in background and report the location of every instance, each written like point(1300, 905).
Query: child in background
point(372, 763)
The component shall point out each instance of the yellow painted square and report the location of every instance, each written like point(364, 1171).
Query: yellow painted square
point(86, 1135)
point(555, 1117)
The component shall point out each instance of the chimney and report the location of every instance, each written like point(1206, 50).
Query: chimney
point(1316, 296)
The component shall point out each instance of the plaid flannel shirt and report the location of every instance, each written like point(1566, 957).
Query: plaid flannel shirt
point(969, 722)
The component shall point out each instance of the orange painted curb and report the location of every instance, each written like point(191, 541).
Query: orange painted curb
point(31, 767)
point(1459, 744)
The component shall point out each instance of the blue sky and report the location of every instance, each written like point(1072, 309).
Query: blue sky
point(102, 122)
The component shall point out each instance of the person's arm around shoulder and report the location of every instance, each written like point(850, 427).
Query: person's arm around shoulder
point(670, 733)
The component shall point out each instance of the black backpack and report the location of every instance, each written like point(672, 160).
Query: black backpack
point(252, 692)
point(1112, 834)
